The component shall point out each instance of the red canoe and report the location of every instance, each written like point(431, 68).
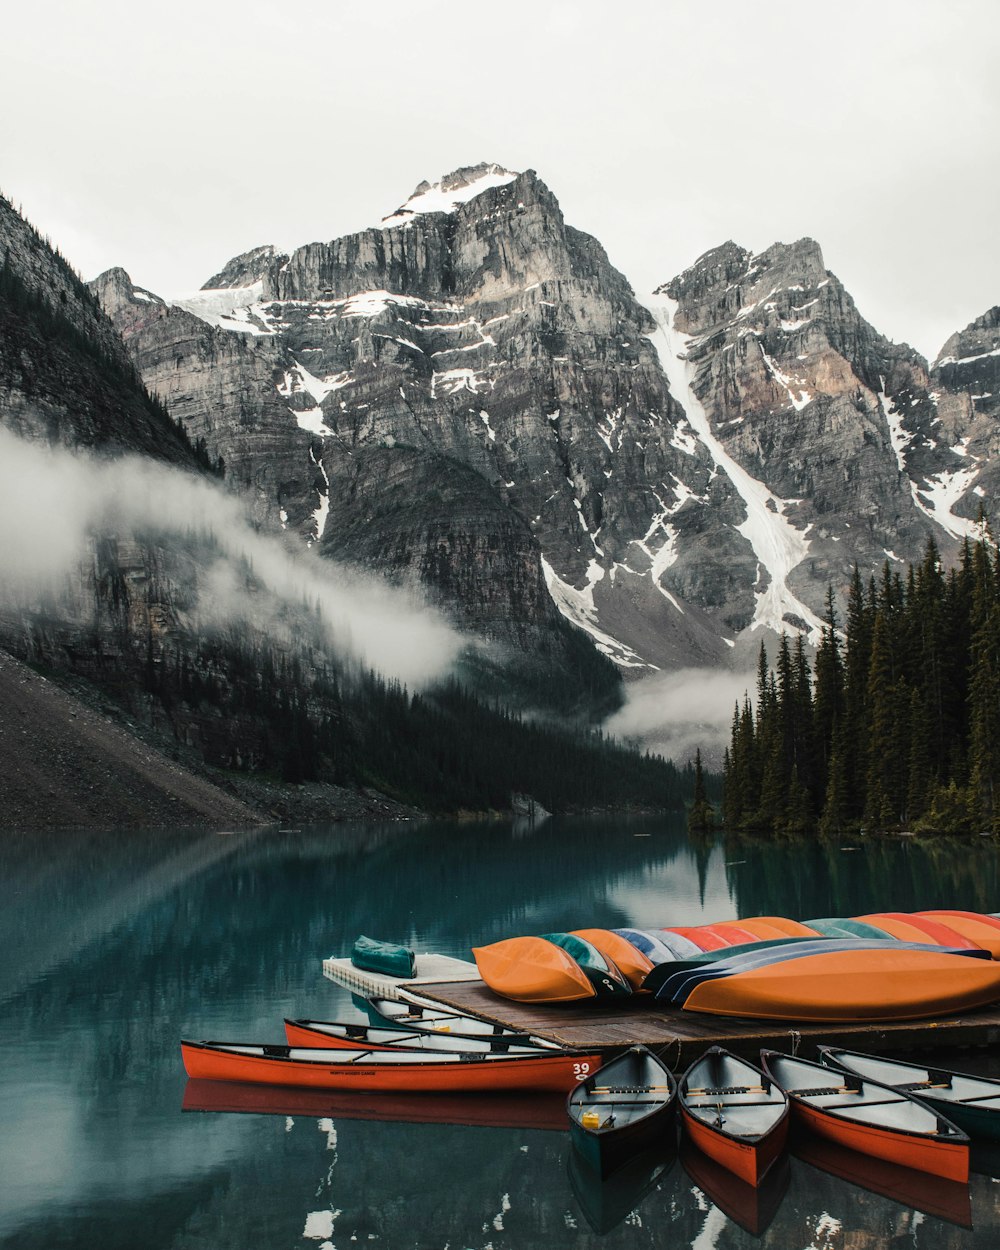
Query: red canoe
point(396, 1071)
point(734, 1114)
point(979, 928)
point(907, 928)
point(870, 1118)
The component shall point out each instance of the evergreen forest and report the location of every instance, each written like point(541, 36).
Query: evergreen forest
point(249, 708)
point(895, 725)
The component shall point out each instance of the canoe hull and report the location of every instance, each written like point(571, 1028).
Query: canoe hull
point(848, 986)
point(972, 1103)
point(606, 1153)
point(555, 1072)
point(949, 1160)
point(750, 1161)
point(734, 1114)
point(532, 970)
point(632, 1109)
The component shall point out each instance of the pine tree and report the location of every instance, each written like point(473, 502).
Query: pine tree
point(701, 817)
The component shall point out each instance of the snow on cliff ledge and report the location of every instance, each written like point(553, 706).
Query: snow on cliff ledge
point(454, 189)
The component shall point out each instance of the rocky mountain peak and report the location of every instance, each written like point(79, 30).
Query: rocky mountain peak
point(116, 291)
point(980, 337)
point(444, 196)
point(247, 268)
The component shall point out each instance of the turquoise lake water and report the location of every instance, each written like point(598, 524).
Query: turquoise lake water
point(115, 945)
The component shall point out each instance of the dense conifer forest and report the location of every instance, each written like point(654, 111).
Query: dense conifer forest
point(896, 723)
point(249, 708)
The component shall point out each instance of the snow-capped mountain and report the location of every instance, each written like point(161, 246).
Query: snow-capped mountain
point(470, 395)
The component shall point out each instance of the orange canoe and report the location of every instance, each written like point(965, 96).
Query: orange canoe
point(532, 970)
point(763, 926)
point(916, 928)
point(869, 1117)
point(732, 934)
point(628, 959)
point(983, 930)
point(853, 985)
point(392, 1071)
point(734, 1114)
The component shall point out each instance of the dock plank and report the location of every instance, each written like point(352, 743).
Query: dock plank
point(679, 1037)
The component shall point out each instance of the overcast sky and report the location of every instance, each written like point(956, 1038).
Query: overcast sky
point(167, 138)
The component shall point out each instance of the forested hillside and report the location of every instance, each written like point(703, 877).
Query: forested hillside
point(896, 725)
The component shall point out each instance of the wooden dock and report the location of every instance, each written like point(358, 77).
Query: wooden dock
point(679, 1037)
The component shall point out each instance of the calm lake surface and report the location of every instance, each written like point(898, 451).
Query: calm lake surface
point(115, 945)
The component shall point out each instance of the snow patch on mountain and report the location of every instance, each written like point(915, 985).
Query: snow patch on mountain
point(578, 607)
point(899, 437)
point(445, 196)
point(777, 544)
point(940, 494)
point(227, 308)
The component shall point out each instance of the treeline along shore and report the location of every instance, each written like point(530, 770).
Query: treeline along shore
point(895, 726)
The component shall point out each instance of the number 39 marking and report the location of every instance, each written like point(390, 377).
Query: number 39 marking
point(580, 1070)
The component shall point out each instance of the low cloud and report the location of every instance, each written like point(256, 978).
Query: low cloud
point(675, 713)
point(52, 502)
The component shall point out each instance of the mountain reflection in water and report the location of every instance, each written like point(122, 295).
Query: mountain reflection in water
point(117, 944)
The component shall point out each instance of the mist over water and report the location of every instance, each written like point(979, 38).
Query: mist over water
point(53, 503)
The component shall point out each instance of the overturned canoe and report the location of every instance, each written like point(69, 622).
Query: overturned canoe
point(871, 1118)
point(620, 1111)
point(602, 972)
point(701, 937)
point(729, 932)
point(660, 945)
point(863, 983)
point(396, 1071)
point(843, 926)
point(764, 924)
point(915, 928)
point(734, 1114)
point(556, 967)
point(971, 1102)
point(530, 970)
point(982, 929)
point(631, 962)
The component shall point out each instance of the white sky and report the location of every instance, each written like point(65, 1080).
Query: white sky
point(169, 137)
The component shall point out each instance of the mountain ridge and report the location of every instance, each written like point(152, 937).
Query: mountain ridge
point(644, 542)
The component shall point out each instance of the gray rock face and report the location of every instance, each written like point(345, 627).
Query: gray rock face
point(65, 375)
point(472, 397)
point(491, 338)
point(223, 388)
point(246, 269)
point(798, 388)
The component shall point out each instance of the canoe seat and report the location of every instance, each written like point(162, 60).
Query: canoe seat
point(924, 1085)
point(618, 1102)
point(711, 1091)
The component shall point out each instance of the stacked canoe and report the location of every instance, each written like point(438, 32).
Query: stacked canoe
point(880, 966)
